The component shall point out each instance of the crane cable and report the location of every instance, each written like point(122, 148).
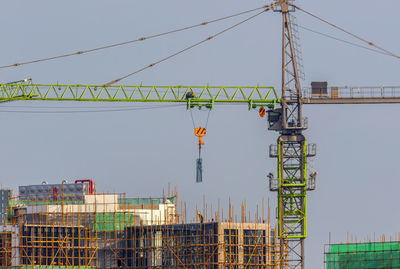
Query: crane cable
point(208, 116)
point(342, 40)
point(348, 32)
point(89, 111)
point(269, 7)
point(80, 52)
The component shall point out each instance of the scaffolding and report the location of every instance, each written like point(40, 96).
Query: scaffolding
point(61, 230)
point(371, 255)
point(203, 245)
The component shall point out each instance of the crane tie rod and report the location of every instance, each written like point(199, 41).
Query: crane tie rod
point(80, 52)
point(348, 32)
point(342, 40)
point(266, 8)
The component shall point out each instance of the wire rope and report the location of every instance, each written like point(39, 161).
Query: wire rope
point(4, 105)
point(80, 52)
point(191, 115)
point(208, 116)
point(342, 40)
point(347, 32)
point(87, 111)
point(187, 48)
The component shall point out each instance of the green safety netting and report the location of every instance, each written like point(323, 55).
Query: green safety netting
point(375, 255)
point(14, 203)
point(145, 201)
point(127, 201)
point(47, 267)
point(108, 222)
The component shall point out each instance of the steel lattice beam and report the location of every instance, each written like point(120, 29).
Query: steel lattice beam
point(292, 194)
point(203, 95)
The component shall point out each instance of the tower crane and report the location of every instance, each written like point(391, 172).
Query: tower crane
point(289, 150)
point(284, 115)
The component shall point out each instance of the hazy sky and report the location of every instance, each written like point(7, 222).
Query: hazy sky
point(139, 152)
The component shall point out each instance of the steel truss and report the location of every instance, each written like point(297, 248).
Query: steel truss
point(292, 195)
point(291, 150)
point(193, 96)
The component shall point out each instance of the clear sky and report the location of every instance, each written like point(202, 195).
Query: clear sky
point(139, 152)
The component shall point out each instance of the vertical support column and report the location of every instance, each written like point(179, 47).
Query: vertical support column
point(292, 194)
point(240, 245)
point(15, 246)
point(292, 185)
point(291, 151)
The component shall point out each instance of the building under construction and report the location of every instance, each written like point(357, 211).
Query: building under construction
point(69, 225)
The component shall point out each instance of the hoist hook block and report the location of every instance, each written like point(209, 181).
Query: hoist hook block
point(200, 132)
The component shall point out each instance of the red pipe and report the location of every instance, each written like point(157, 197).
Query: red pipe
point(54, 193)
point(86, 180)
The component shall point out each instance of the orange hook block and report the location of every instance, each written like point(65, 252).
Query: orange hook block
point(200, 132)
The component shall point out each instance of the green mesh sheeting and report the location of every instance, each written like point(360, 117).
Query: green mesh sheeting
point(15, 203)
point(375, 255)
point(126, 201)
point(108, 222)
point(145, 201)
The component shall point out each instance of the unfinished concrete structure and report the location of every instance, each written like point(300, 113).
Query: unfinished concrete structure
point(202, 245)
point(70, 225)
point(5, 195)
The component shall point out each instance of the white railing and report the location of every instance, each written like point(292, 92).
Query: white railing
point(355, 92)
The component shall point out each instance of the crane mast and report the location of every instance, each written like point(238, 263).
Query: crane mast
point(290, 151)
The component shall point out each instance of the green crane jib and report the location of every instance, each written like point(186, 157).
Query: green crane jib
point(193, 96)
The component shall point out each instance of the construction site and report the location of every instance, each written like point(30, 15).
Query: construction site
point(69, 225)
point(73, 225)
